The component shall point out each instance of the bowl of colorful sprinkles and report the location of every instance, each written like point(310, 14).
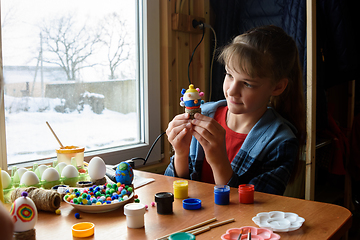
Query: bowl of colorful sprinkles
point(100, 198)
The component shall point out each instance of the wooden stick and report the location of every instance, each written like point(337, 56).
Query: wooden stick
point(221, 223)
point(199, 230)
point(189, 228)
point(54, 134)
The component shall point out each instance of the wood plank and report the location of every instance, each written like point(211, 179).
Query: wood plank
point(311, 100)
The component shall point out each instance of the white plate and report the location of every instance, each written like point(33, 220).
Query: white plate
point(101, 208)
point(278, 221)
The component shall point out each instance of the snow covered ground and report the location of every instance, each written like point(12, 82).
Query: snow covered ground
point(28, 137)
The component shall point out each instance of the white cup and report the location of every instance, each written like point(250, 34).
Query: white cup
point(134, 213)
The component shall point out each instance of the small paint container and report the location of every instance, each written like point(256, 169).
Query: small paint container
point(134, 215)
point(182, 236)
point(246, 193)
point(222, 194)
point(191, 204)
point(180, 189)
point(164, 202)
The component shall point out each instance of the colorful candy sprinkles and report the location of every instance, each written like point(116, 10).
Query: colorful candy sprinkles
point(99, 194)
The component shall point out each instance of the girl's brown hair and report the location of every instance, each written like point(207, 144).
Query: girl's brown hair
point(268, 51)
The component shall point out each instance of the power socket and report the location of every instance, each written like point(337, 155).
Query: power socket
point(184, 23)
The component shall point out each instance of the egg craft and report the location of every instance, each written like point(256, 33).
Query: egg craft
point(29, 178)
point(191, 100)
point(124, 173)
point(96, 168)
point(5, 179)
point(24, 213)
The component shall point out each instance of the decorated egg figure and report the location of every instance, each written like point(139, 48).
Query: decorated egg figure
point(191, 100)
point(124, 173)
point(24, 213)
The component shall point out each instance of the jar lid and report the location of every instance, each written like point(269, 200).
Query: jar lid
point(83, 229)
point(191, 203)
point(222, 188)
point(134, 209)
point(70, 149)
point(180, 183)
point(182, 236)
point(164, 197)
point(246, 187)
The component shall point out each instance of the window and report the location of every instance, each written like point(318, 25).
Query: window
point(88, 68)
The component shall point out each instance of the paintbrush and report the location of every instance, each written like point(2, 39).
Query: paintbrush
point(239, 237)
point(249, 235)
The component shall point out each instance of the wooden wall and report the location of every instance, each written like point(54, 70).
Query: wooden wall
point(176, 48)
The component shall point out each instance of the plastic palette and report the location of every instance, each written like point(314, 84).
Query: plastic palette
point(256, 234)
point(278, 221)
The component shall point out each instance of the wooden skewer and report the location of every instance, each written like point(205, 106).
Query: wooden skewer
point(189, 228)
point(199, 230)
point(55, 135)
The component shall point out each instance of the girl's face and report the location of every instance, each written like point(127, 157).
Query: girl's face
point(246, 95)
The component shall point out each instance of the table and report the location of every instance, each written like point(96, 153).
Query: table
point(322, 220)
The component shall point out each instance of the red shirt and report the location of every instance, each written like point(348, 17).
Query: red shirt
point(233, 141)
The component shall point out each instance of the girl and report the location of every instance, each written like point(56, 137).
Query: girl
point(257, 133)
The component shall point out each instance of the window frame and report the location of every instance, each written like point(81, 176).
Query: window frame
point(149, 96)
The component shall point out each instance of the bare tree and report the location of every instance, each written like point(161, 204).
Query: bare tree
point(116, 40)
point(68, 45)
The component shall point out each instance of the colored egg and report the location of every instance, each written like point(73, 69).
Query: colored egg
point(24, 214)
point(124, 173)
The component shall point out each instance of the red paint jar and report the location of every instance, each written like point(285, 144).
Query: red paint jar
point(246, 193)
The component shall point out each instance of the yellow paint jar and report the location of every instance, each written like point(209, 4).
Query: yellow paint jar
point(65, 154)
point(180, 188)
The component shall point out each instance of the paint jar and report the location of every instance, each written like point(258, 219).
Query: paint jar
point(164, 202)
point(182, 236)
point(64, 154)
point(134, 215)
point(180, 189)
point(246, 193)
point(222, 194)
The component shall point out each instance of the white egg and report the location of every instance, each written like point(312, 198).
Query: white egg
point(29, 178)
point(50, 175)
point(24, 213)
point(96, 168)
point(18, 174)
point(40, 170)
point(5, 179)
point(60, 167)
point(69, 172)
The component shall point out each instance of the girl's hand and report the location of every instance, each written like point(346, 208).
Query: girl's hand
point(211, 136)
point(179, 134)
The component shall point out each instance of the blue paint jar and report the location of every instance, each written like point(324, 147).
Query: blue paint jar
point(222, 194)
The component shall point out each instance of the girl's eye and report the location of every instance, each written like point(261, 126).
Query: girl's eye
point(248, 85)
point(228, 75)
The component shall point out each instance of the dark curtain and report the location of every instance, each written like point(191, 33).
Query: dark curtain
point(234, 17)
point(337, 53)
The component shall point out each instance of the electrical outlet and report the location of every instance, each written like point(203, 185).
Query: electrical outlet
point(184, 23)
